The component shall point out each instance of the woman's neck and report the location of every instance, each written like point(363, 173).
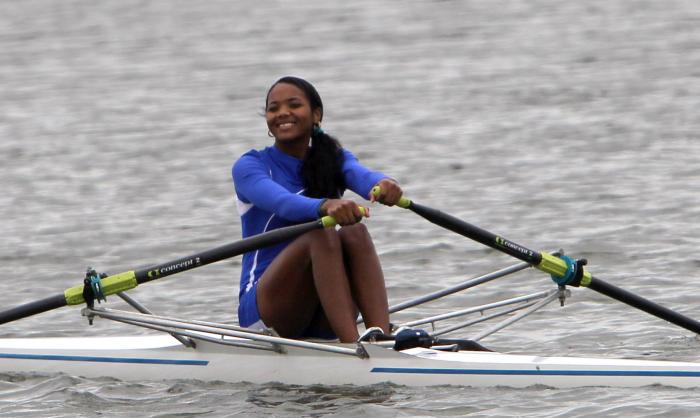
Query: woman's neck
point(295, 148)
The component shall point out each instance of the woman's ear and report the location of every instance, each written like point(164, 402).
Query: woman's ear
point(317, 116)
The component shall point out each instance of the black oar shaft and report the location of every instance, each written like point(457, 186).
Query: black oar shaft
point(535, 258)
point(131, 279)
point(475, 233)
point(645, 305)
point(225, 251)
point(32, 308)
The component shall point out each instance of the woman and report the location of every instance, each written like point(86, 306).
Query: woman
point(314, 285)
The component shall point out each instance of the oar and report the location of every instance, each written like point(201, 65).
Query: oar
point(555, 266)
point(130, 279)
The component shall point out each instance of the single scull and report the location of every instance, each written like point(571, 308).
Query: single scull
point(218, 355)
point(215, 351)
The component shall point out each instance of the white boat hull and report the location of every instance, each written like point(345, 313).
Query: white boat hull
point(162, 357)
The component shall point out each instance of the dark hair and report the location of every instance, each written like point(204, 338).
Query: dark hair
point(321, 170)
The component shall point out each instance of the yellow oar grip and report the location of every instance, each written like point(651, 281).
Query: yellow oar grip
point(329, 221)
point(554, 265)
point(404, 202)
point(110, 285)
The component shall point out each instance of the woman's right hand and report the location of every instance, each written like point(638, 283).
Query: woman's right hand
point(345, 212)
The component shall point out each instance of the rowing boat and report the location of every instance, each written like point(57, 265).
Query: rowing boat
point(217, 351)
point(162, 357)
point(219, 355)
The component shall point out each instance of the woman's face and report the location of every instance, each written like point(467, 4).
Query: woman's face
point(288, 113)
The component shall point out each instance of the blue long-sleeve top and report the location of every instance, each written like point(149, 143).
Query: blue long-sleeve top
point(269, 195)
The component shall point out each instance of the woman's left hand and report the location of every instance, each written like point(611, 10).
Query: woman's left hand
point(389, 192)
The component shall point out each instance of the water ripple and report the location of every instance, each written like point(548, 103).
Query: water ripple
point(558, 124)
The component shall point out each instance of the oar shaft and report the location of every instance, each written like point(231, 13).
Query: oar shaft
point(128, 280)
point(225, 251)
point(475, 233)
point(547, 263)
point(32, 308)
point(645, 305)
point(233, 249)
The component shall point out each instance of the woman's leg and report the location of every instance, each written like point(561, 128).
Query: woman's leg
point(366, 276)
point(309, 271)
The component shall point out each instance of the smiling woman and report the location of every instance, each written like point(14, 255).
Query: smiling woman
point(315, 285)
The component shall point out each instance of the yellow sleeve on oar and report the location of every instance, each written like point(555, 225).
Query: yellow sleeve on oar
point(110, 285)
point(554, 265)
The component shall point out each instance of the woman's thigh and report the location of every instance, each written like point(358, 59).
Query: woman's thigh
point(286, 296)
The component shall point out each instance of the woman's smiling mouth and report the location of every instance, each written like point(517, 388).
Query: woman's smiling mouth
point(285, 125)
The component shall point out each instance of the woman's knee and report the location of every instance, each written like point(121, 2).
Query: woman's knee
point(356, 234)
point(327, 239)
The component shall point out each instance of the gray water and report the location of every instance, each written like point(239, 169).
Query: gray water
point(557, 124)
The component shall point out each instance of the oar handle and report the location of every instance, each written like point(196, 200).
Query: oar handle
point(329, 221)
point(404, 202)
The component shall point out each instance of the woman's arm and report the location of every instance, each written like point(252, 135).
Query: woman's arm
point(361, 180)
point(254, 185)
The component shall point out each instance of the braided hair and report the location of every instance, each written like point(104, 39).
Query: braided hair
point(321, 169)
